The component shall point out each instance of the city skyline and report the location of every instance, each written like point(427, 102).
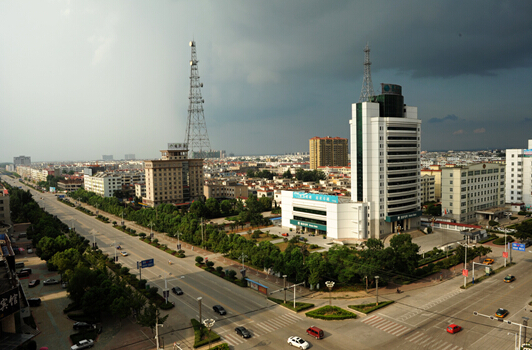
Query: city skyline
point(82, 79)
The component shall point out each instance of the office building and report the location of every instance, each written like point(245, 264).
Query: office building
point(473, 192)
point(129, 157)
point(434, 170)
point(107, 157)
point(328, 151)
point(174, 178)
point(21, 160)
point(385, 161)
point(519, 176)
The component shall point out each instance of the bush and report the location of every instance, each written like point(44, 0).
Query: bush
point(199, 260)
point(493, 223)
point(500, 240)
point(142, 284)
point(231, 274)
point(155, 240)
point(331, 313)
point(124, 270)
point(142, 235)
point(210, 264)
point(166, 306)
point(367, 308)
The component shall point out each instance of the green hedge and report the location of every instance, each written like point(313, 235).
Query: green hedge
point(166, 306)
point(223, 346)
point(331, 313)
point(290, 305)
point(200, 331)
point(500, 240)
point(368, 308)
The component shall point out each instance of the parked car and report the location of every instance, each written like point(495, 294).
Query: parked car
point(284, 234)
point(50, 281)
point(34, 301)
point(298, 342)
point(26, 269)
point(453, 328)
point(509, 278)
point(501, 313)
point(488, 261)
point(243, 332)
point(30, 251)
point(177, 291)
point(83, 325)
point(83, 344)
point(23, 274)
point(219, 309)
point(33, 283)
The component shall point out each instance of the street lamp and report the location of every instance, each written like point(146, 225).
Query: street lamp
point(330, 285)
point(209, 323)
point(151, 229)
point(178, 243)
point(199, 302)
point(377, 281)
point(284, 287)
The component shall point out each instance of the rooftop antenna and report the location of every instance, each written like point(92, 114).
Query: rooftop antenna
point(196, 138)
point(367, 85)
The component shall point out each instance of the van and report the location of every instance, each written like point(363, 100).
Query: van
point(19, 265)
point(315, 332)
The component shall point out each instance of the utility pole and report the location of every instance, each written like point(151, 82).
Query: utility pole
point(199, 302)
point(157, 325)
point(284, 287)
point(377, 284)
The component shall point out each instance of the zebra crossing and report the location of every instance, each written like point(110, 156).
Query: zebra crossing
point(418, 338)
point(261, 328)
point(385, 325)
point(428, 306)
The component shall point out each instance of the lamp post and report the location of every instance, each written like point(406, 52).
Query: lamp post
point(178, 243)
point(209, 322)
point(330, 285)
point(377, 281)
point(199, 302)
point(151, 229)
point(284, 287)
point(122, 218)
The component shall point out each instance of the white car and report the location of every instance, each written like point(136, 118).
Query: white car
point(83, 344)
point(298, 342)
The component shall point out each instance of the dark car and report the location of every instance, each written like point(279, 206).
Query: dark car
point(34, 301)
point(243, 332)
point(501, 313)
point(50, 281)
point(219, 309)
point(83, 325)
point(177, 291)
point(26, 269)
point(33, 283)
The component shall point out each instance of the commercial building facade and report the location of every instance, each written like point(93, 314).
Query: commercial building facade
point(328, 151)
point(385, 161)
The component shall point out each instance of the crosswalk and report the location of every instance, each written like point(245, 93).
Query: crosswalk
point(261, 328)
point(421, 339)
point(429, 305)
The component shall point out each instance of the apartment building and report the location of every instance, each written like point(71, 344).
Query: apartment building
point(428, 184)
point(470, 189)
point(224, 189)
point(328, 151)
point(434, 170)
point(174, 178)
point(103, 184)
point(519, 176)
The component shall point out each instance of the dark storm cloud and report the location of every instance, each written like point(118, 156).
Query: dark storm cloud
point(439, 120)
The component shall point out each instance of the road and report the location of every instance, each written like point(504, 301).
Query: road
point(417, 319)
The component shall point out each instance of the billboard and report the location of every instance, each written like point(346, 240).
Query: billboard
point(177, 146)
point(315, 197)
point(9, 302)
point(527, 153)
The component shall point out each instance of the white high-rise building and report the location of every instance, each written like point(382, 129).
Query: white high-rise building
point(385, 161)
point(519, 176)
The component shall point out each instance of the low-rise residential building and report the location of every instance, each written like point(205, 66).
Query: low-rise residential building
point(103, 184)
point(428, 188)
point(224, 189)
point(70, 185)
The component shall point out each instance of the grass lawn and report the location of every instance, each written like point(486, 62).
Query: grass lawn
point(283, 245)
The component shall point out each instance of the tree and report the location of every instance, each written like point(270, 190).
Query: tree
point(149, 316)
point(287, 174)
point(405, 252)
point(121, 308)
point(524, 230)
point(250, 173)
point(265, 204)
point(213, 207)
point(66, 261)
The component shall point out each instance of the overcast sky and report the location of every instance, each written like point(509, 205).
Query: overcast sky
point(79, 79)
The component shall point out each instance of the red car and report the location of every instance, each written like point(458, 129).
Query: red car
point(284, 234)
point(33, 283)
point(452, 328)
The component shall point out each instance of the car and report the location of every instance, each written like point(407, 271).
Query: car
point(33, 283)
point(453, 328)
point(28, 246)
point(315, 332)
point(118, 247)
point(177, 291)
point(83, 325)
point(219, 309)
point(488, 261)
point(298, 342)
point(26, 269)
point(124, 253)
point(509, 278)
point(50, 281)
point(83, 344)
point(34, 301)
point(501, 313)
point(30, 251)
point(243, 332)
point(284, 234)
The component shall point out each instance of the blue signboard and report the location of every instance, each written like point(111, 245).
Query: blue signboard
point(518, 246)
point(145, 263)
point(315, 197)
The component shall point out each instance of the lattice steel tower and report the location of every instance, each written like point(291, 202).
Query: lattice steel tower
point(367, 85)
point(196, 137)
